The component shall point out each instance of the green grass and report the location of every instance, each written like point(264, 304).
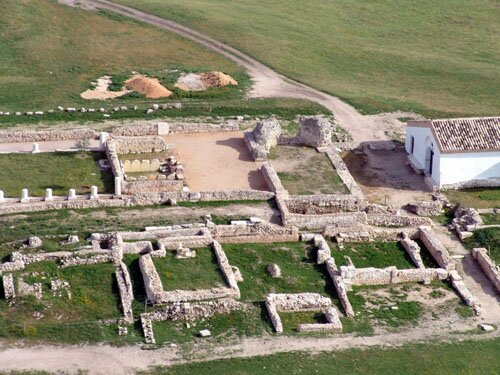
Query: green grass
point(467, 357)
point(50, 55)
point(79, 319)
point(282, 108)
point(303, 171)
point(488, 238)
point(491, 219)
point(83, 222)
point(200, 272)
point(291, 321)
point(60, 171)
point(299, 272)
point(434, 59)
point(373, 254)
point(476, 198)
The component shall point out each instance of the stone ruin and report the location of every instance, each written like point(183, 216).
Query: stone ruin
point(301, 302)
point(264, 136)
point(274, 270)
point(314, 131)
point(465, 221)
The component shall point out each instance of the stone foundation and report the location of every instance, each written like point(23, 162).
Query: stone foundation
point(491, 270)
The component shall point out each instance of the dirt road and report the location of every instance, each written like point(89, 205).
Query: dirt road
point(266, 82)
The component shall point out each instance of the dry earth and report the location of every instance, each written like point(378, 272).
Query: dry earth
point(217, 161)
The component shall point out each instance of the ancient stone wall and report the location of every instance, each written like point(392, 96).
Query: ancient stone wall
point(391, 220)
point(17, 136)
point(314, 131)
point(489, 267)
point(186, 312)
point(225, 267)
point(152, 281)
point(343, 172)
point(413, 251)
point(272, 179)
point(340, 286)
point(126, 291)
point(137, 145)
point(320, 204)
point(264, 136)
point(464, 292)
point(164, 186)
point(390, 275)
point(333, 325)
point(260, 232)
point(9, 290)
point(319, 222)
point(436, 249)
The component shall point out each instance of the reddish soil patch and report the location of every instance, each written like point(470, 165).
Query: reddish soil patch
point(149, 87)
point(217, 161)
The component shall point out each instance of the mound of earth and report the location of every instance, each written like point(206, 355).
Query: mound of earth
point(149, 87)
point(202, 81)
point(100, 92)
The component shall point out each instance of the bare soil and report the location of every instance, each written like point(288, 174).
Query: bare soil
point(385, 178)
point(203, 81)
point(217, 161)
point(149, 87)
point(101, 92)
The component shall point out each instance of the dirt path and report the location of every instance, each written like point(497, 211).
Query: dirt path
point(125, 360)
point(267, 82)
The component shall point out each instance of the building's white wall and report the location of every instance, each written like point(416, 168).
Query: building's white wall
point(424, 140)
point(455, 168)
point(420, 135)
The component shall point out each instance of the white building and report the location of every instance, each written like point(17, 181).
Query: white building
point(455, 152)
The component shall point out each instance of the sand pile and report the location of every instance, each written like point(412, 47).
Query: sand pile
point(100, 91)
point(202, 81)
point(149, 87)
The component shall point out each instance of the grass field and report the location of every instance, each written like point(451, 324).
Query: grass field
point(433, 58)
point(469, 357)
point(370, 254)
point(59, 171)
point(304, 171)
point(476, 198)
point(200, 272)
point(488, 238)
point(50, 54)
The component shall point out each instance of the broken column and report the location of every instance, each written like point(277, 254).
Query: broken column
point(118, 186)
point(25, 196)
point(2, 197)
point(48, 194)
point(103, 137)
point(72, 194)
point(93, 192)
point(35, 149)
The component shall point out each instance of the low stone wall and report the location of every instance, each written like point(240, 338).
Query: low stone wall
point(489, 267)
point(225, 267)
point(293, 303)
point(319, 222)
point(324, 204)
point(390, 275)
point(413, 251)
point(343, 172)
point(163, 186)
point(391, 220)
point(18, 136)
point(340, 286)
point(272, 180)
point(126, 291)
point(77, 261)
point(186, 311)
point(8, 286)
point(464, 292)
point(436, 249)
point(260, 232)
point(152, 281)
point(175, 296)
point(137, 145)
point(264, 136)
point(196, 127)
point(333, 325)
